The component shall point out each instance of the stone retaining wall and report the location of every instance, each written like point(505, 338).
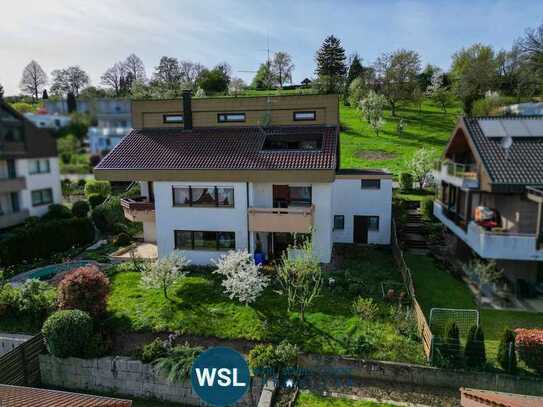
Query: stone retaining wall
point(424, 375)
point(10, 341)
point(123, 376)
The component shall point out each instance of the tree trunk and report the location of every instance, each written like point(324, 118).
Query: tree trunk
point(165, 289)
point(393, 109)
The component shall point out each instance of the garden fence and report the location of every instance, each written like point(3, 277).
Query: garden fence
point(21, 366)
point(422, 323)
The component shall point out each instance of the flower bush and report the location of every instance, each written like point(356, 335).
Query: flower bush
point(164, 272)
point(243, 279)
point(86, 289)
point(529, 345)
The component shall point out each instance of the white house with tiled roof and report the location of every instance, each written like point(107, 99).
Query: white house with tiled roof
point(255, 173)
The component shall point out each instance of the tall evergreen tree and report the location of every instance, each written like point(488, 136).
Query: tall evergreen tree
point(44, 95)
point(1, 91)
point(474, 352)
point(71, 102)
point(331, 67)
point(507, 357)
point(356, 70)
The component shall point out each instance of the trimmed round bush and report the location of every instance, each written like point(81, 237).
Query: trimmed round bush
point(108, 214)
point(57, 211)
point(97, 187)
point(124, 239)
point(81, 209)
point(95, 200)
point(67, 333)
point(262, 357)
point(86, 289)
point(406, 181)
point(427, 207)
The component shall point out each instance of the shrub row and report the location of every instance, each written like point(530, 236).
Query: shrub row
point(43, 239)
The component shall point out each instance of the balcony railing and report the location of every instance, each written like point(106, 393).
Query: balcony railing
point(465, 175)
point(287, 220)
point(138, 209)
point(12, 184)
point(13, 218)
point(494, 244)
point(12, 148)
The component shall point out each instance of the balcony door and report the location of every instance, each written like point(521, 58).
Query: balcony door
point(360, 230)
point(287, 195)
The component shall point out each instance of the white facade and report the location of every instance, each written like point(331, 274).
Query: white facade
point(48, 121)
point(342, 197)
point(39, 181)
point(351, 200)
point(105, 138)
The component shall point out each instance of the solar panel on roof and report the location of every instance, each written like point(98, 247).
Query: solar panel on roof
point(499, 128)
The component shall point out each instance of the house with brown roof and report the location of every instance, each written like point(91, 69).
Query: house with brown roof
point(490, 194)
point(29, 168)
point(252, 173)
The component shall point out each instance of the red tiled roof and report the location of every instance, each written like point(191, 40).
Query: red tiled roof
point(18, 396)
point(219, 148)
point(498, 399)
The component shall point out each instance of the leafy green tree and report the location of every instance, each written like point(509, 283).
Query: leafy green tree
point(507, 356)
point(357, 91)
point(356, 70)
point(263, 78)
point(474, 72)
point(215, 80)
point(474, 352)
point(168, 73)
point(69, 80)
point(517, 75)
point(281, 68)
point(397, 76)
point(330, 59)
point(300, 276)
point(438, 92)
point(421, 164)
point(424, 78)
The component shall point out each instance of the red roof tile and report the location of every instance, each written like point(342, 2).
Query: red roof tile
point(498, 399)
point(219, 148)
point(18, 396)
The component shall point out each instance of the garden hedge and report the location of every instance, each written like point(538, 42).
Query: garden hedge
point(44, 239)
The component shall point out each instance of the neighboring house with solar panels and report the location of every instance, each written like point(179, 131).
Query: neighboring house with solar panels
point(29, 168)
point(490, 192)
point(214, 178)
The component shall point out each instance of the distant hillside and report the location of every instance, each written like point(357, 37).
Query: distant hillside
point(362, 148)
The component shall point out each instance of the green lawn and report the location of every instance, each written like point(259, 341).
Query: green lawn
point(200, 308)
point(435, 288)
point(362, 148)
point(308, 399)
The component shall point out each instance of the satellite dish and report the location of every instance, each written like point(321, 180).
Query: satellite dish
point(507, 142)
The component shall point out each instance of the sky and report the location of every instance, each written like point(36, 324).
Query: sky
point(96, 34)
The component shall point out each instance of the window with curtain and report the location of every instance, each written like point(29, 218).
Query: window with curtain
point(204, 240)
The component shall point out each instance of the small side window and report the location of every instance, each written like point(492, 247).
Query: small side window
point(371, 184)
point(304, 116)
point(373, 223)
point(339, 222)
point(172, 118)
point(231, 117)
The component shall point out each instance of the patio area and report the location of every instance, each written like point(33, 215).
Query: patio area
point(139, 250)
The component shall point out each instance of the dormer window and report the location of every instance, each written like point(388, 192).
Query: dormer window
point(293, 142)
point(304, 116)
point(231, 117)
point(172, 118)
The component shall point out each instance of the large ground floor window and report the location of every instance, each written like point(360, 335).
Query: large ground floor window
point(204, 240)
point(42, 197)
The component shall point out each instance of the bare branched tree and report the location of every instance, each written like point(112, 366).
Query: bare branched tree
point(282, 67)
point(33, 80)
point(134, 66)
point(71, 79)
point(113, 77)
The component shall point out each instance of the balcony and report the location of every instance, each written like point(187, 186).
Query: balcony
point(12, 184)
point(491, 244)
point(138, 209)
point(12, 149)
point(14, 218)
point(460, 175)
point(287, 220)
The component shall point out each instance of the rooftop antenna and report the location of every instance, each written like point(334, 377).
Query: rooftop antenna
point(268, 60)
point(507, 143)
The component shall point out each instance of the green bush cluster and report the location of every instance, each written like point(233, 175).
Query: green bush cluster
point(270, 357)
point(43, 239)
point(366, 308)
point(474, 352)
point(68, 333)
point(427, 208)
point(56, 212)
point(176, 365)
point(107, 214)
point(80, 209)
point(95, 200)
point(406, 181)
point(31, 301)
point(97, 187)
point(154, 350)
point(507, 357)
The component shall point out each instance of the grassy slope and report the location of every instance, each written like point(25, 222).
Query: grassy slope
point(430, 128)
point(307, 399)
point(200, 308)
point(435, 288)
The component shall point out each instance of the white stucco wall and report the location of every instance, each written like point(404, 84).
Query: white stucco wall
point(39, 181)
point(170, 218)
point(349, 199)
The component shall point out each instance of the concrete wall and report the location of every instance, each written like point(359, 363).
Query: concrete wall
point(10, 341)
point(124, 376)
point(170, 218)
point(39, 181)
point(349, 199)
point(423, 375)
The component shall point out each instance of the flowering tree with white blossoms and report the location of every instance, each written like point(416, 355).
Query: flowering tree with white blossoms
point(243, 279)
point(164, 272)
